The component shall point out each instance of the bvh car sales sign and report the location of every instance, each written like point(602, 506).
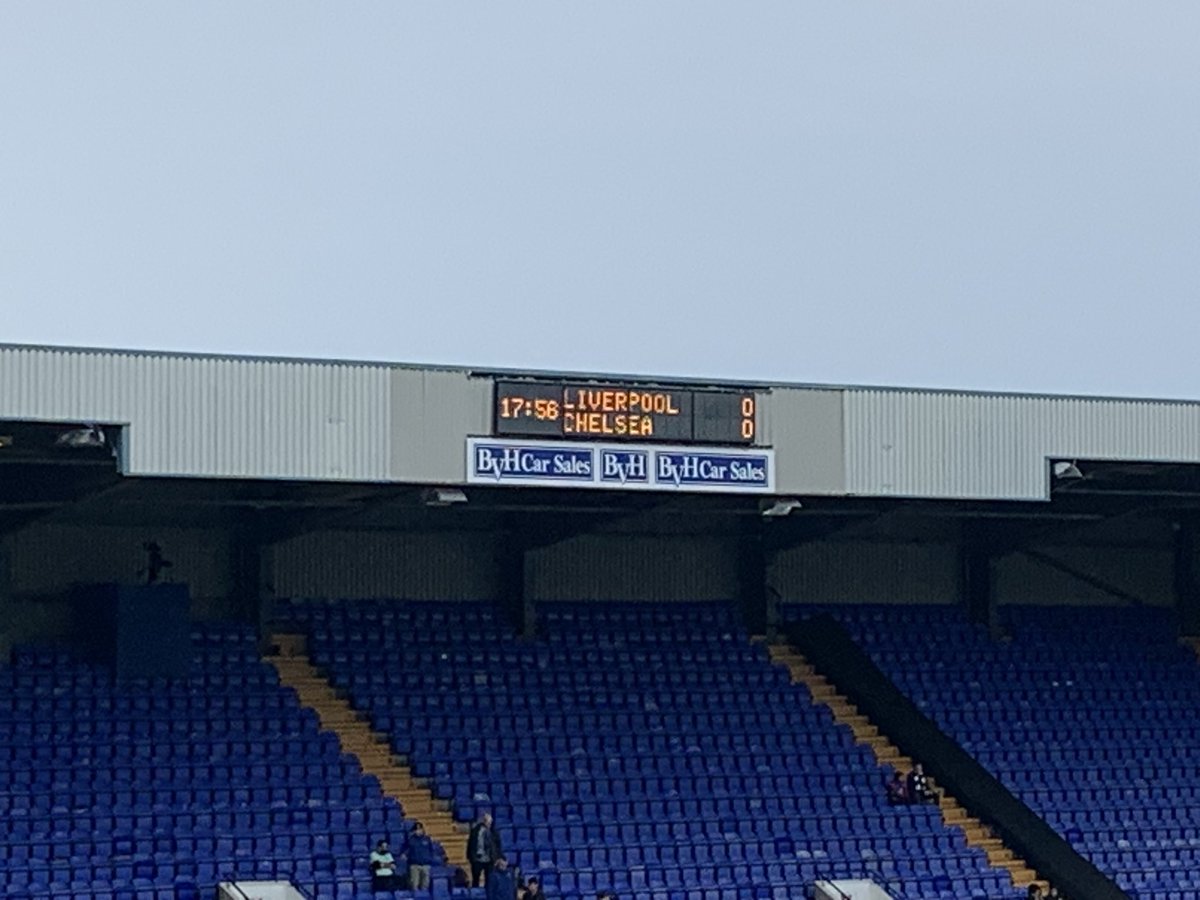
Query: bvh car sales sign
point(620, 467)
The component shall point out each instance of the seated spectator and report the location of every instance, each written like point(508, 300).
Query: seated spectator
point(897, 791)
point(421, 856)
point(1035, 892)
point(533, 890)
point(501, 882)
point(919, 790)
point(383, 868)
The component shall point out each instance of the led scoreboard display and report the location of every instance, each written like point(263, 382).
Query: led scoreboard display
point(627, 412)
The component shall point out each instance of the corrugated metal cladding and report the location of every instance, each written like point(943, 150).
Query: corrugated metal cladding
point(620, 567)
point(949, 445)
point(865, 572)
point(213, 417)
point(357, 565)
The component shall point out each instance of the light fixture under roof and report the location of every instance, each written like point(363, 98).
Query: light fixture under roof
point(776, 509)
point(443, 496)
point(1067, 471)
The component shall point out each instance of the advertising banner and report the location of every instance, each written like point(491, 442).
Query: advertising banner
point(497, 461)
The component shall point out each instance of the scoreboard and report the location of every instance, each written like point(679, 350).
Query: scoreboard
point(630, 412)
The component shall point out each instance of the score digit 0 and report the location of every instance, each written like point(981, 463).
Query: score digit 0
point(748, 408)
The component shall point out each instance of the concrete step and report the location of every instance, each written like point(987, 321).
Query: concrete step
point(355, 735)
point(867, 733)
point(1022, 878)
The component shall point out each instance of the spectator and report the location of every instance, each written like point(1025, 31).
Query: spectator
point(383, 868)
point(483, 849)
point(421, 856)
point(155, 562)
point(533, 890)
point(897, 791)
point(501, 881)
point(919, 790)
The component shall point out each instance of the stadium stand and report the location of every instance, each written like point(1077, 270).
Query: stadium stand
point(1089, 716)
point(651, 750)
point(158, 789)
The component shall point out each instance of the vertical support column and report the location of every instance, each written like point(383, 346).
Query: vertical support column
point(266, 589)
point(510, 566)
point(752, 582)
point(6, 601)
point(530, 622)
point(245, 578)
point(978, 582)
point(1187, 590)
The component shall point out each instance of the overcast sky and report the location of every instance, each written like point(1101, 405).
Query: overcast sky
point(999, 195)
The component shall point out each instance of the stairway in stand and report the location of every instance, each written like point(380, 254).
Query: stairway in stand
point(372, 749)
point(845, 713)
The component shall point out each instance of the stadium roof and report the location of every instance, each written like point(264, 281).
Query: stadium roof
point(585, 375)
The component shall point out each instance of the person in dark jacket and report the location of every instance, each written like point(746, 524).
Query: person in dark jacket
point(483, 849)
point(919, 790)
point(501, 881)
point(532, 891)
point(897, 791)
point(421, 856)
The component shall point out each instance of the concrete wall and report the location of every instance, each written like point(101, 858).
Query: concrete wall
point(369, 564)
point(620, 567)
point(46, 560)
point(1143, 573)
point(40, 564)
point(865, 572)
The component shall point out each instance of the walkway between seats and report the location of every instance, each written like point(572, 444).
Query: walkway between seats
point(845, 713)
point(356, 736)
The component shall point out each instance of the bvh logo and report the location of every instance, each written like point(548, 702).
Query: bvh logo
point(625, 466)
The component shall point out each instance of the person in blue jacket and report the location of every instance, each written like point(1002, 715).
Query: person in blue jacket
point(502, 882)
point(421, 856)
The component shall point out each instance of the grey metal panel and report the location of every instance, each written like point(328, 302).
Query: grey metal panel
point(949, 445)
point(615, 567)
point(864, 572)
point(806, 429)
point(433, 413)
point(365, 564)
point(213, 416)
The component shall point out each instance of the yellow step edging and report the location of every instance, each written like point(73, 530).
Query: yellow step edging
point(845, 713)
point(354, 734)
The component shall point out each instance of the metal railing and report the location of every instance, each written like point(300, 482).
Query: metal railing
point(827, 884)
